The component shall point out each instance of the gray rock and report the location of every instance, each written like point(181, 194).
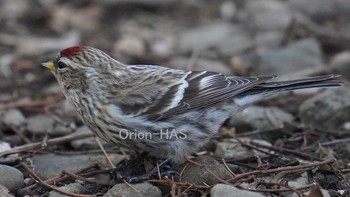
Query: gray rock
point(267, 15)
point(231, 148)
point(235, 43)
point(200, 64)
point(60, 130)
point(325, 193)
point(14, 117)
point(329, 109)
point(340, 64)
point(40, 124)
point(68, 108)
point(298, 182)
point(195, 174)
point(4, 146)
point(86, 143)
point(76, 188)
point(11, 178)
point(222, 190)
point(49, 165)
point(204, 37)
point(263, 118)
point(154, 3)
point(228, 10)
point(143, 190)
point(269, 40)
point(4, 192)
point(321, 9)
point(133, 46)
point(295, 57)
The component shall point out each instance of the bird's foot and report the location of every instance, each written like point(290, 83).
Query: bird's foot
point(154, 171)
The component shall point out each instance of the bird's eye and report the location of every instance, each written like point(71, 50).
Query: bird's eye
point(61, 65)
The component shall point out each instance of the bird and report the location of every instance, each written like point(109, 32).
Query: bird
point(165, 112)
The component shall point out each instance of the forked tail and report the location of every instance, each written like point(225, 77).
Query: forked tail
point(309, 82)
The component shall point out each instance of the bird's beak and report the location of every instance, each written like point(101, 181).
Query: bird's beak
point(50, 65)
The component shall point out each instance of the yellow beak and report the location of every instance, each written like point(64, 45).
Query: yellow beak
point(50, 65)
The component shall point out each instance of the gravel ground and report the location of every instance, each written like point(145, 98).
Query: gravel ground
point(290, 145)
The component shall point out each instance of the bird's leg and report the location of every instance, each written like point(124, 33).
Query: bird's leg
point(131, 167)
point(152, 172)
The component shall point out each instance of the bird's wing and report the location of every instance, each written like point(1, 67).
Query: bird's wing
point(178, 91)
point(209, 88)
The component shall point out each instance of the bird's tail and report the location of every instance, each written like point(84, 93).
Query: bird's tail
point(309, 82)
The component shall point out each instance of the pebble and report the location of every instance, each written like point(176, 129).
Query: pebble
point(14, 117)
point(4, 146)
point(60, 130)
point(142, 190)
point(231, 148)
point(86, 143)
point(195, 174)
point(267, 15)
point(49, 165)
point(339, 64)
point(40, 124)
point(329, 109)
point(204, 37)
point(320, 9)
point(261, 118)
point(11, 178)
point(269, 40)
point(76, 188)
point(222, 190)
point(130, 46)
point(303, 54)
point(236, 43)
point(228, 10)
point(4, 192)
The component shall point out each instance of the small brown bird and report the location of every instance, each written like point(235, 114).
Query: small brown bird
point(163, 111)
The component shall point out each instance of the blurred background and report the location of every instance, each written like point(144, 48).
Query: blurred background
point(241, 37)
point(290, 38)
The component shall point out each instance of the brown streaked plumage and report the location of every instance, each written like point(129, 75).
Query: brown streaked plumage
point(116, 100)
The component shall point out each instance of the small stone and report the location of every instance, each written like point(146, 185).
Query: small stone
point(76, 188)
point(328, 110)
point(297, 56)
point(68, 108)
point(204, 37)
point(222, 190)
point(195, 174)
point(235, 43)
point(231, 148)
point(60, 130)
point(130, 46)
point(269, 40)
point(163, 47)
point(14, 117)
point(11, 178)
point(4, 146)
point(320, 9)
point(86, 143)
point(142, 190)
point(340, 64)
point(4, 192)
point(49, 165)
point(295, 183)
point(228, 10)
point(262, 118)
point(267, 15)
point(40, 124)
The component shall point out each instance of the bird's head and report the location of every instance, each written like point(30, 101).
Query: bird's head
point(75, 66)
